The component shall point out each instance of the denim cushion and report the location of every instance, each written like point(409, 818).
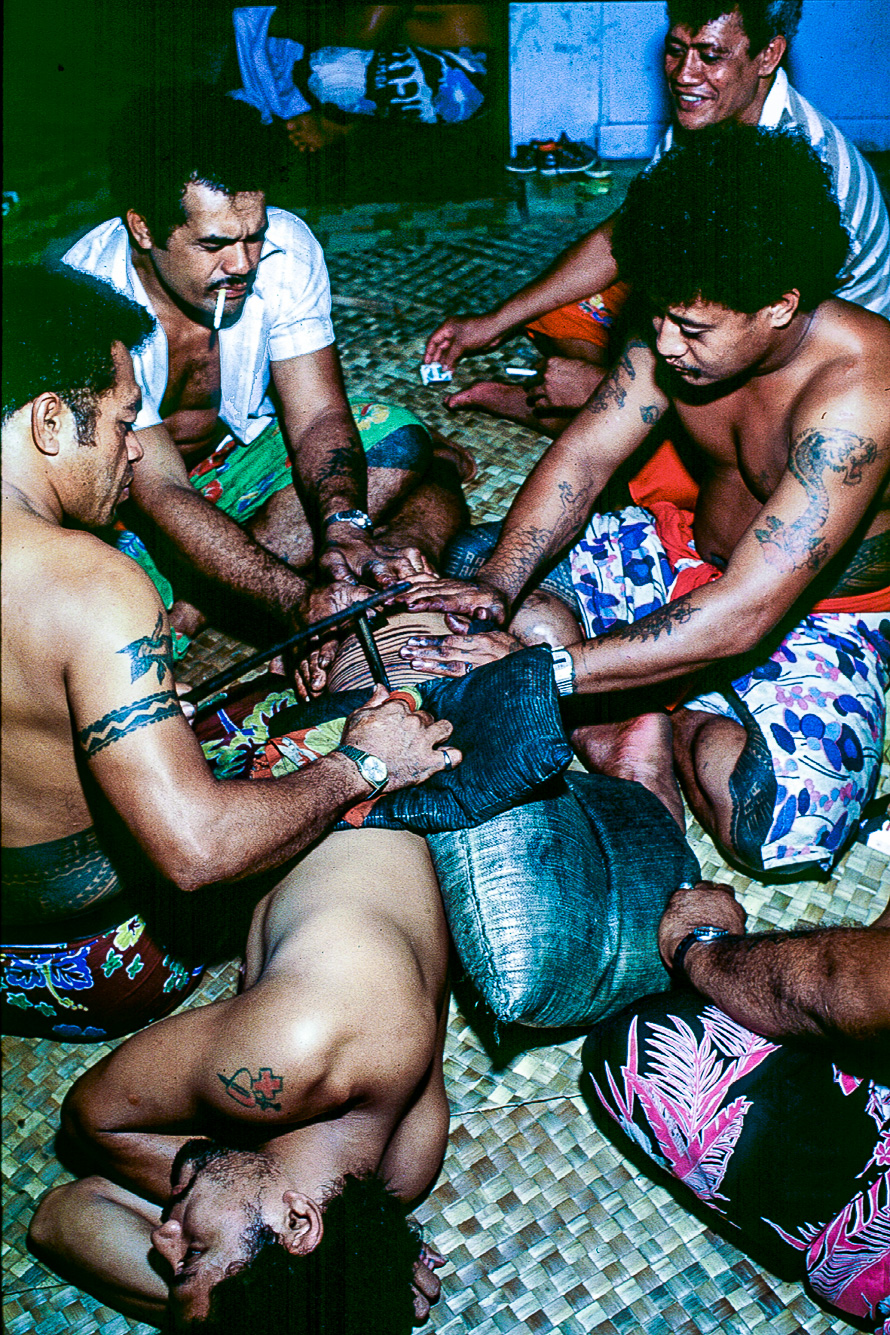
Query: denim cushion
point(554, 906)
point(507, 724)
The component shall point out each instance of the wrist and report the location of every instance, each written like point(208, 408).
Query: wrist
point(704, 935)
point(349, 519)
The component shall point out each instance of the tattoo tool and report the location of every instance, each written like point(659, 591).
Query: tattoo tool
point(365, 637)
point(358, 612)
point(218, 313)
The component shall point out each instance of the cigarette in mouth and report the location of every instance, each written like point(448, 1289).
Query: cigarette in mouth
point(220, 302)
point(520, 371)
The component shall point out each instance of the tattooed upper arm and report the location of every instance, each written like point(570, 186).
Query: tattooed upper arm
point(818, 460)
point(145, 654)
point(613, 390)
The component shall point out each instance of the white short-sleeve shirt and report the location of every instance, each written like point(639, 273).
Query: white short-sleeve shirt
point(287, 314)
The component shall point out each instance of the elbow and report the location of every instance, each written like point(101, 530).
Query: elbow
point(192, 860)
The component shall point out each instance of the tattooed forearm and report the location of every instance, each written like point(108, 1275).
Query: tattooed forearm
point(254, 1091)
point(340, 462)
point(575, 503)
point(662, 621)
point(812, 456)
point(150, 651)
point(121, 722)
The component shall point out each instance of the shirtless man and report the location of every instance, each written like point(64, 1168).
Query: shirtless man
point(722, 63)
point(106, 791)
point(782, 390)
point(321, 1114)
point(253, 469)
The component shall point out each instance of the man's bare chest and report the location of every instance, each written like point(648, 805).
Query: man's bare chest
point(744, 434)
point(193, 372)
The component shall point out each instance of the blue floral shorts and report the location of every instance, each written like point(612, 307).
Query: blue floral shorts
point(818, 699)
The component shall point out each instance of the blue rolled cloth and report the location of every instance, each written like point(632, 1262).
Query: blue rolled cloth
point(507, 724)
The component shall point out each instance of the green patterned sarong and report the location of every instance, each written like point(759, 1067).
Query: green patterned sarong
point(238, 479)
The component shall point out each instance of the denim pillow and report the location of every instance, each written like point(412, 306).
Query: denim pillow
point(554, 906)
point(507, 724)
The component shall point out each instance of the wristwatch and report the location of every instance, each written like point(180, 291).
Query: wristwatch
point(371, 768)
point(357, 518)
point(563, 670)
point(709, 933)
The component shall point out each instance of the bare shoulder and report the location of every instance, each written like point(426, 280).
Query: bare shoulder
point(99, 592)
point(853, 341)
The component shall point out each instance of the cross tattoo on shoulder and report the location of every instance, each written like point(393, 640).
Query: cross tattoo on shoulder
point(254, 1092)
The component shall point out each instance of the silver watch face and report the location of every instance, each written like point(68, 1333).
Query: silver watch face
point(374, 770)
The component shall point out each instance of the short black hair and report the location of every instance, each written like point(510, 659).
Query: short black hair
point(58, 328)
point(737, 215)
point(168, 137)
point(762, 20)
point(358, 1278)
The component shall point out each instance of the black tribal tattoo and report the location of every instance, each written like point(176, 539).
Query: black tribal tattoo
point(150, 651)
point(121, 722)
point(662, 621)
point(341, 461)
point(813, 454)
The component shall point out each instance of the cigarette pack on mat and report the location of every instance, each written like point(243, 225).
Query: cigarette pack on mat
point(434, 373)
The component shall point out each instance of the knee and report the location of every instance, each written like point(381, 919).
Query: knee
point(407, 448)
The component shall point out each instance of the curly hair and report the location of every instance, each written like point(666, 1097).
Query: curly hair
point(737, 216)
point(168, 137)
point(762, 20)
point(357, 1281)
point(58, 328)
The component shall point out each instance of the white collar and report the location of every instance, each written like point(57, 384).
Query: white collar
point(774, 105)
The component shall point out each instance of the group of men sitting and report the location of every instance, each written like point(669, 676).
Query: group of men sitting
point(729, 638)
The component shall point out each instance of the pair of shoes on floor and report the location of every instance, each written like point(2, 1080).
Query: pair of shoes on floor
point(558, 157)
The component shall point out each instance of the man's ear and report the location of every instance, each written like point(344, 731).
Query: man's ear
point(769, 59)
point(783, 311)
point(139, 229)
point(47, 414)
point(303, 1228)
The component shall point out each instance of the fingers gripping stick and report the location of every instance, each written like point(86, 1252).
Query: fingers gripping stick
point(358, 613)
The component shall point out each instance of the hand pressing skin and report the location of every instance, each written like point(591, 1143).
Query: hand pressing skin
point(408, 742)
point(707, 904)
point(457, 596)
point(457, 655)
point(350, 557)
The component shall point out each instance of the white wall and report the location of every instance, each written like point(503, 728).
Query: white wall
point(595, 68)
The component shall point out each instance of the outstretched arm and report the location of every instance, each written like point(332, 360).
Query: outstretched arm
point(585, 268)
point(554, 502)
point(208, 538)
point(838, 462)
point(829, 986)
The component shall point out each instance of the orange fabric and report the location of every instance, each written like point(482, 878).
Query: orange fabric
point(674, 528)
point(590, 320)
point(664, 477)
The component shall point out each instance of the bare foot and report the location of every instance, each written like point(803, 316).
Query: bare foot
point(186, 619)
point(637, 748)
point(510, 401)
point(312, 131)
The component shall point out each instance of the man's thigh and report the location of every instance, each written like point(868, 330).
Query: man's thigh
point(817, 705)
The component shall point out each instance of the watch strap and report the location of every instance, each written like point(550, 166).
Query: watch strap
point(358, 758)
point(704, 933)
point(357, 518)
point(563, 669)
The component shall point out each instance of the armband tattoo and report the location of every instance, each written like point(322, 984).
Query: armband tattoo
point(118, 723)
